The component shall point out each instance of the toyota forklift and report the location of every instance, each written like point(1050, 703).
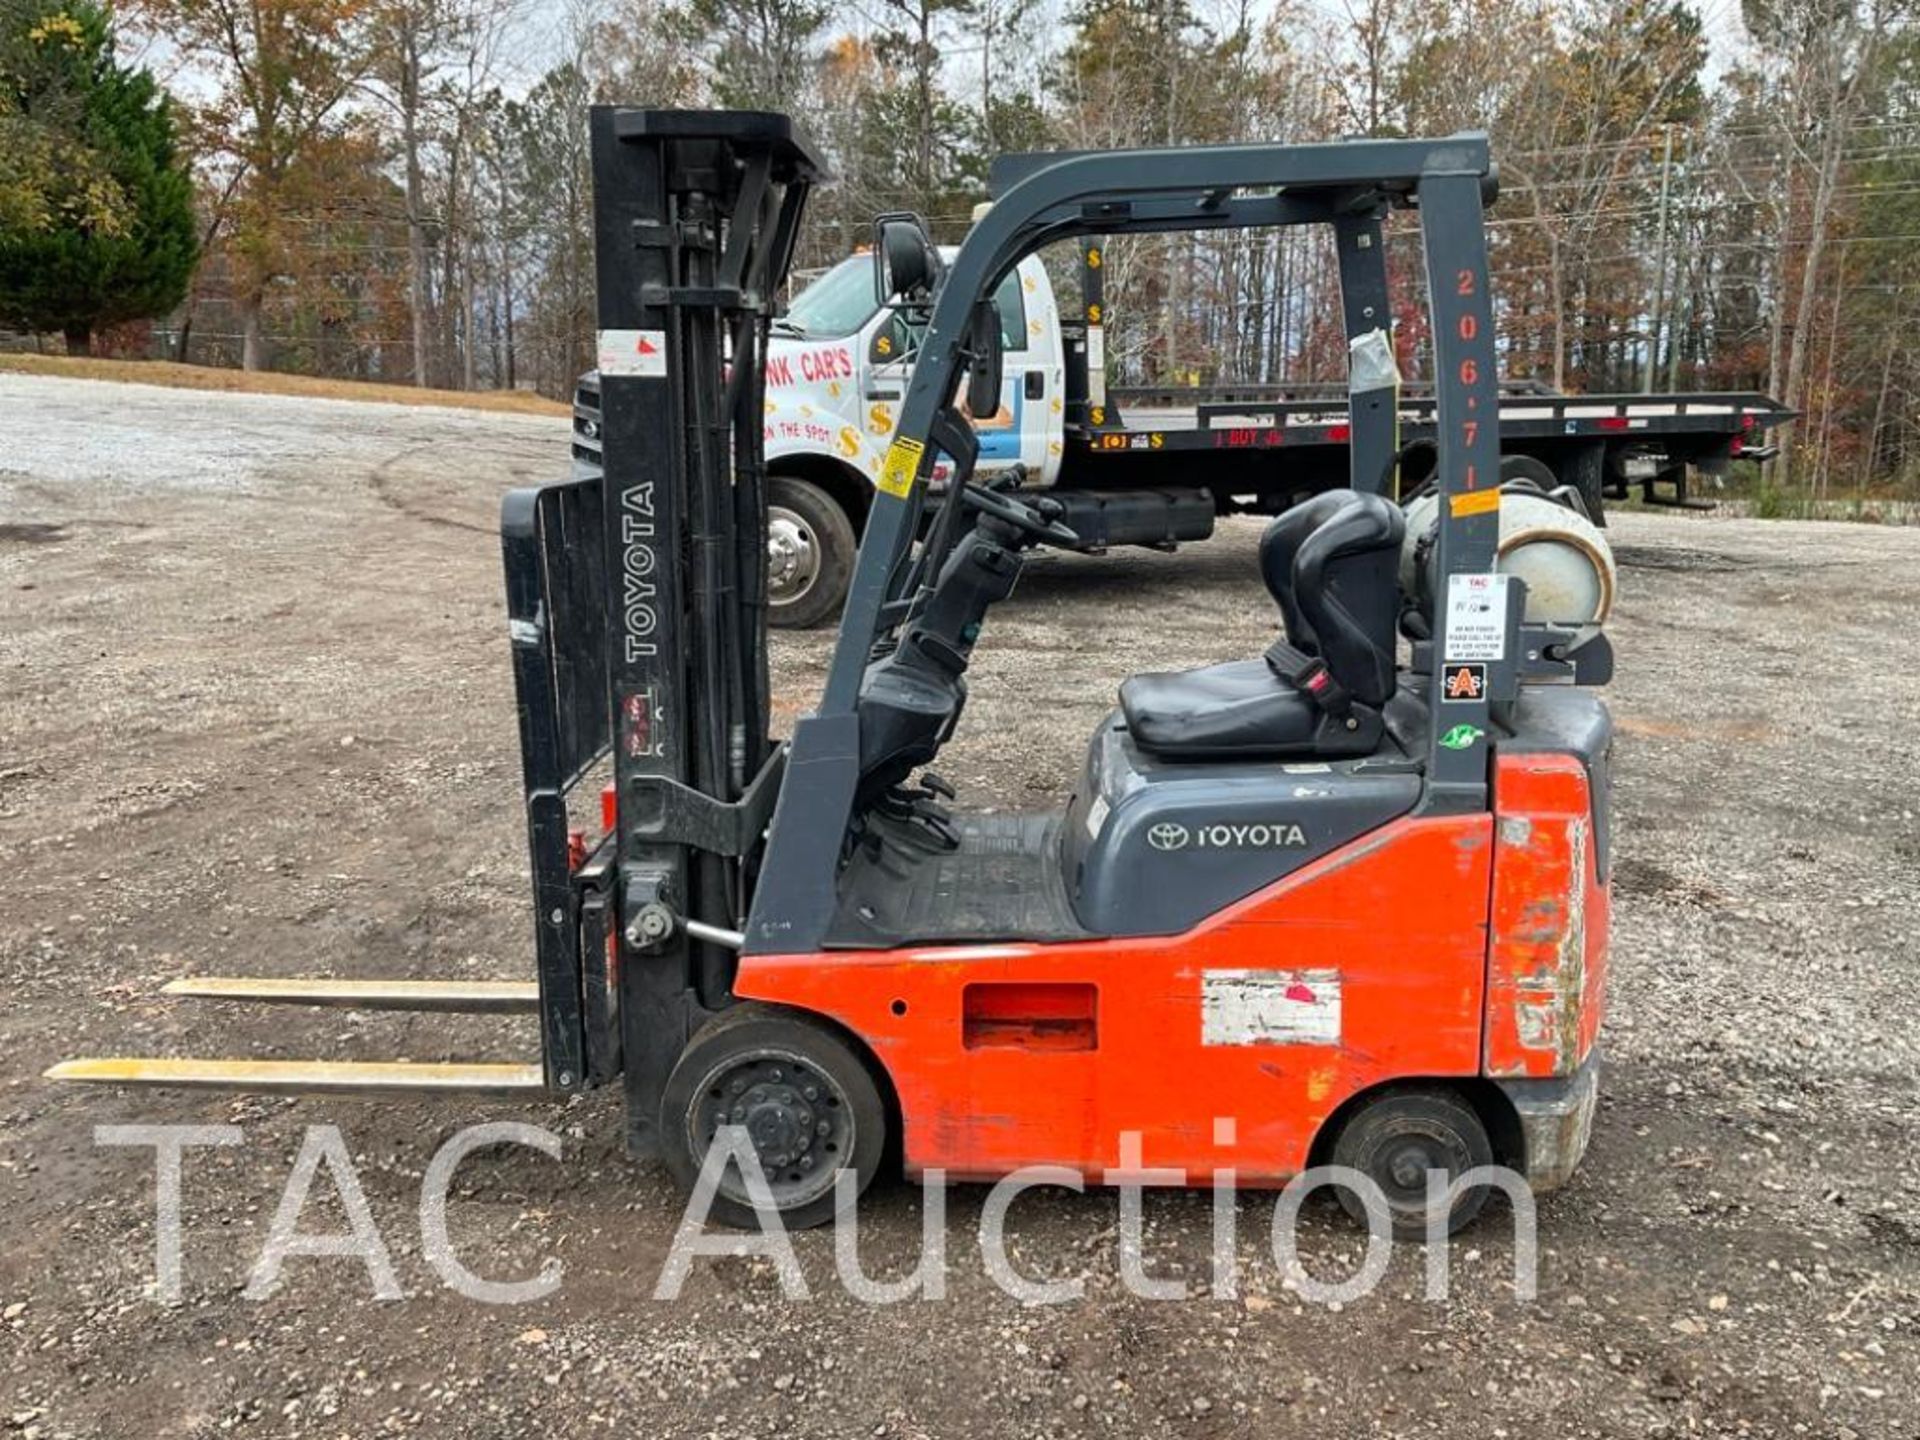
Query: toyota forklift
point(1350, 894)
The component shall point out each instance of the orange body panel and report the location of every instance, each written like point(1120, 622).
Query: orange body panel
point(1367, 965)
point(1547, 956)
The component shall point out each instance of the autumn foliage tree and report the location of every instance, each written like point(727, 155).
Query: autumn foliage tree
point(276, 132)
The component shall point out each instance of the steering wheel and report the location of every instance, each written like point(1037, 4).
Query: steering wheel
point(1029, 519)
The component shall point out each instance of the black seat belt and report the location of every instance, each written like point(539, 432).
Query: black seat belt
point(1310, 676)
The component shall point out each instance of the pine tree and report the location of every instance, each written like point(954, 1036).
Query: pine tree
point(96, 204)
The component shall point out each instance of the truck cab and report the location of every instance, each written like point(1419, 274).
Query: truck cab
point(837, 369)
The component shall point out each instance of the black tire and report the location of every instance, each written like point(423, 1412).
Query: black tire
point(820, 1111)
point(1528, 467)
point(811, 548)
point(1538, 472)
point(1396, 1137)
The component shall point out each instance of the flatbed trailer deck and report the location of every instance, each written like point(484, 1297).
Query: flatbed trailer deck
point(1602, 444)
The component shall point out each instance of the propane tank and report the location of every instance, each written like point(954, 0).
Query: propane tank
point(1561, 554)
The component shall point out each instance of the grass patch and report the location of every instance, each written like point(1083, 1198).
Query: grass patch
point(1771, 502)
point(259, 382)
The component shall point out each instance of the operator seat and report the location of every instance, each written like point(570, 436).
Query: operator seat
point(1332, 567)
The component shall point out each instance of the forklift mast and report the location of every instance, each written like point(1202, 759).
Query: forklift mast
point(637, 598)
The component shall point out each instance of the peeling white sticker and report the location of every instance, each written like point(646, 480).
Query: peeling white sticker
point(1476, 617)
point(1270, 1007)
point(1097, 816)
point(634, 352)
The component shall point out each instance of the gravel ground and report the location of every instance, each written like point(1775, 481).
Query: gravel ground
point(256, 718)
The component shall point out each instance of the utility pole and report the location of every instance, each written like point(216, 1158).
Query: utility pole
point(1659, 266)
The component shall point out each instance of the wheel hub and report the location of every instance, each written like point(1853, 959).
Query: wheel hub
point(778, 1120)
point(796, 1119)
point(1409, 1167)
point(793, 556)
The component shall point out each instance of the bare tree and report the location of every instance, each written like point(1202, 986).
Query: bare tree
point(432, 61)
point(1829, 48)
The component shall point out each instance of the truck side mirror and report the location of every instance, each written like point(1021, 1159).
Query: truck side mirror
point(906, 262)
point(985, 345)
point(890, 343)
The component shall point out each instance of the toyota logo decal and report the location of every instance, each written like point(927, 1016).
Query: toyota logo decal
point(1167, 836)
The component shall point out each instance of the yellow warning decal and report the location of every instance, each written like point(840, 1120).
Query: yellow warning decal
point(1474, 502)
point(900, 466)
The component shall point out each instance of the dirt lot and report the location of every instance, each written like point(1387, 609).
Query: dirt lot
point(270, 382)
point(255, 718)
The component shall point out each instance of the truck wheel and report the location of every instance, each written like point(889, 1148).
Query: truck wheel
point(810, 550)
point(1527, 467)
point(808, 1103)
point(1399, 1135)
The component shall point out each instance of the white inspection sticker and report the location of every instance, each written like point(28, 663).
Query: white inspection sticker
point(1476, 617)
point(634, 352)
point(1270, 1007)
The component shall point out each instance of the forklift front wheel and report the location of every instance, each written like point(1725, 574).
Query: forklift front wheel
point(1395, 1138)
point(806, 1101)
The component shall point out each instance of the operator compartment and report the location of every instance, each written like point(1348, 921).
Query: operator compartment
point(1205, 786)
point(1213, 783)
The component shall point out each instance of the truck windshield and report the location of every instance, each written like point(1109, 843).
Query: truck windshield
point(835, 305)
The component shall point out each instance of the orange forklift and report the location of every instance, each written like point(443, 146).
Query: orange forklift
point(1351, 893)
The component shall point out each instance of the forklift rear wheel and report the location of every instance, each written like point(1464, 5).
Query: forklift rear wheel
point(810, 552)
point(1396, 1138)
point(807, 1101)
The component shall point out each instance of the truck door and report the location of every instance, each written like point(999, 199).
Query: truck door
point(1033, 379)
point(1028, 425)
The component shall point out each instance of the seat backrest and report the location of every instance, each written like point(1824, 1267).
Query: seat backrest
point(1278, 549)
point(1345, 586)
